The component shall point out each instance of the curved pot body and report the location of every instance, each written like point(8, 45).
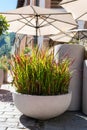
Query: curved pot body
point(42, 107)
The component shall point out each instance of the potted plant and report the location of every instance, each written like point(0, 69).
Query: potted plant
point(1, 74)
point(41, 84)
point(4, 67)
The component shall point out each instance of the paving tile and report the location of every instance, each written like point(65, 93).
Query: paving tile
point(3, 119)
point(1, 112)
point(8, 124)
point(3, 128)
point(6, 116)
point(12, 120)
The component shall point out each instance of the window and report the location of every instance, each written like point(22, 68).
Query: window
point(42, 3)
point(37, 2)
point(54, 3)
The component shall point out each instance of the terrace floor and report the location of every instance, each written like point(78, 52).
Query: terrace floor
point(12, 119)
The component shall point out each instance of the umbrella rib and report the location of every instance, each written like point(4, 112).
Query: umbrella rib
point(81, 15)
point(53, 21)
point(44, 19)
point(21, 19)
point(20, 28)
point(31, 25)
point(57, 28)
point(47, 24)
point(56, 13)
point(33, 10)
point(60, 21)
point(29, 20)
point(16, 19)
point(27, 24)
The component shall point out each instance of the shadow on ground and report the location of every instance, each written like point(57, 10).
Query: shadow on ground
point(5, 96)
point(66, 121)
point(32, 124)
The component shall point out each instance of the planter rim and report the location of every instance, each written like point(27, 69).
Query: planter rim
point(41, 95)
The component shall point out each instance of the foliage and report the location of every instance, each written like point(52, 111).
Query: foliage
point(3, 24)
point(27, 50)
point(3, 63)
point(38, 74)
point(5, 46)
point(6, 42)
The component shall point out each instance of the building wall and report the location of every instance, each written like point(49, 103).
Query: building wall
point(47, 3)
point(27, 2)
point(32, 2)
point(85, 25)
point(20, 3)
point(22, 44)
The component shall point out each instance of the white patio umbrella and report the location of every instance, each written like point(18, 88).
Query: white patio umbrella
point(38, 21)
point(77, 7)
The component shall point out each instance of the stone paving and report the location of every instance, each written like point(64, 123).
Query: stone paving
point(12, 119)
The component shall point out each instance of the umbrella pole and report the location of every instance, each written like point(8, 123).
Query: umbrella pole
point(36, 30)
point(36, 38)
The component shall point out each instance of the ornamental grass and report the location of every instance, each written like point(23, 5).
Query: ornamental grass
point(37, 73)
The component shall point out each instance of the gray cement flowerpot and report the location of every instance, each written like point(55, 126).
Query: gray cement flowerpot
point(42, 107)
point(84, 97)
point(75, 52)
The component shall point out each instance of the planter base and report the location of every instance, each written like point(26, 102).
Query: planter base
point(42, 107)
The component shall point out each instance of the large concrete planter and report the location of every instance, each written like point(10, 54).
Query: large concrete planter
point(75, 52)
point(42, 107)
point(84, 96)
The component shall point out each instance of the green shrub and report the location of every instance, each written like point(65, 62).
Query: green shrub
point(27, 50)
point(3, 24)
point(4, 63)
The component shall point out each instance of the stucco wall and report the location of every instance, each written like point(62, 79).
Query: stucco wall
point(22, 44)
point(47, 3)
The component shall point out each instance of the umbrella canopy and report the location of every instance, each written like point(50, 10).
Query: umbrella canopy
point(61, 37)
point(77, 7)
point(33, 20)
point(71, 36)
